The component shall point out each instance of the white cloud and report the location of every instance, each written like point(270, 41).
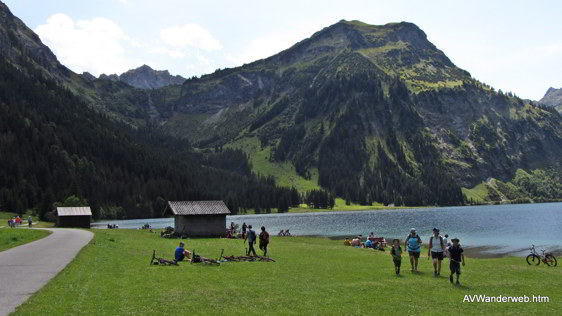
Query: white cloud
point(97, 45)
point(190, 35)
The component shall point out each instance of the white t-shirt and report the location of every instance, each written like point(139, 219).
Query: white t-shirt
point(436, 244)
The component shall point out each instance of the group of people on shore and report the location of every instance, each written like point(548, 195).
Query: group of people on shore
point(438, 248)
point(16, 221)
point(248, 234)
point(371, 242)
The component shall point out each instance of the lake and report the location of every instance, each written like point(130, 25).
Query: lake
point(505, 228)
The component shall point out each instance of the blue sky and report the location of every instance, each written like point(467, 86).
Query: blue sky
point(512, 45)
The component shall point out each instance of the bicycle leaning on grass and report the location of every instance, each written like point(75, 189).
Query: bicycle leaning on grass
point(535, 259)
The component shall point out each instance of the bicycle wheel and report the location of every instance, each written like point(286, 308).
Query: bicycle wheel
point(551, 261)
point(533, 259)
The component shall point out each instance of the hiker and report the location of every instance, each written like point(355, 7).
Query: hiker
point(244, 230)
point(281, 233)
point(264, 240)
point(18, 221)
point(447, 244)
point(10, 222)
point(396, 253)
point(356, 242)
point(455, 257)
point(29, 221)
point(181, 253)
point(413, 244)
point(251, 236)
point(436, 248)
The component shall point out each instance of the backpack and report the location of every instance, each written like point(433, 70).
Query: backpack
point(440, 239)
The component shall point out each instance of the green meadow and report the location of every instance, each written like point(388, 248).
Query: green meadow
point(13, 237)
point(311, 276)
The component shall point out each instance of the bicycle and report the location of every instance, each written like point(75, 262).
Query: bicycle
point(535, 259)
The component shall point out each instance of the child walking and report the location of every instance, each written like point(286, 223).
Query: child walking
point(455, 257)
point(396, 253)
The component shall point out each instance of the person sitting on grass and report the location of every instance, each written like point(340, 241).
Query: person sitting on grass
point(455, 257)
point(347, 242)
point(396, 253)
point(368, 244)
point(356, 242)
point(264, 240)
point(181, 253)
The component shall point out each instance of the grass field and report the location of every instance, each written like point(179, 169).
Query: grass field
point(341, 206)
point(312, 276)
point(13, 237)
point(478, 194)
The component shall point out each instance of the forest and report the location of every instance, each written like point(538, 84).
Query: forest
point(54, 146)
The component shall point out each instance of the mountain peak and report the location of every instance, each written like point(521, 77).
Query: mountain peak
point(398, 49)
point(144, 77)
point(552, 97)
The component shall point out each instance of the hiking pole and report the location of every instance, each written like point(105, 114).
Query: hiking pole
point(222, 251)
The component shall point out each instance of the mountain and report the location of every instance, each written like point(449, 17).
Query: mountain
point(369, 113)
point(552, 97)
point(54, 145)
point(145, 77)
point(372, 113)
point(19, 45)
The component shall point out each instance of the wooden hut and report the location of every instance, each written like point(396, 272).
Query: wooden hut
point(74, 216)
point(198, 218)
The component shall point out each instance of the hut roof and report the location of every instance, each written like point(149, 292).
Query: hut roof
point(198, 208)
point(74, 211)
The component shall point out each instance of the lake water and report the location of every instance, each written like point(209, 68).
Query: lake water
point(506, 228)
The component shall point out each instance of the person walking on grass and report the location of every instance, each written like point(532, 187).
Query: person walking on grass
point(455, 257)
point(251, 237)
point(264, 240)
point(396, 253)
point(436, 248)
point(413, 243)
point(29, 221)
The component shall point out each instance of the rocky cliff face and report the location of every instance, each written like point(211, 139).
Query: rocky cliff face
point(145, 77)
point(552, 97)
point(18, 42)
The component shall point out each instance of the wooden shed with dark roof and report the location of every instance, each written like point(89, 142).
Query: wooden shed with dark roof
point(74, 217)
point(198, 218)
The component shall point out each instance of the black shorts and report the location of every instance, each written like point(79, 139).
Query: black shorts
point(415, 254)
point(455, 267)
point(397, 262)
point(437, 255)
point(263, 245)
